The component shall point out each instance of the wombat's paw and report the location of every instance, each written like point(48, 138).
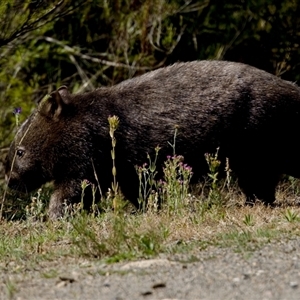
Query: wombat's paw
point(55, 211)
point(54, 215)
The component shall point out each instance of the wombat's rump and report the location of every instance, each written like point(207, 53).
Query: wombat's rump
point(251, 115)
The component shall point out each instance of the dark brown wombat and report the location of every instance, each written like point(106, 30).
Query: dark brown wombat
point(253, 116)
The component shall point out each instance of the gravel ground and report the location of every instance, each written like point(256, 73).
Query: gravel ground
point(272, 272)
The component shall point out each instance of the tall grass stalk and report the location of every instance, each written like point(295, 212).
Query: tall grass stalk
point(147, 181)
point(214, 196)
point(113, 125)
point(174, 140)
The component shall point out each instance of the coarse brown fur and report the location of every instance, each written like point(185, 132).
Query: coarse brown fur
point(253, 116)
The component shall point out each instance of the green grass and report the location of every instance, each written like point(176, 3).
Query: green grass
point(11, 288)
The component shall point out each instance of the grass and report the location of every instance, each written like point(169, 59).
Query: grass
point(115, 237)
point(185, 223)
point(11, 288)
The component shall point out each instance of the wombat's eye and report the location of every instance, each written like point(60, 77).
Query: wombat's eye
point(20, 153)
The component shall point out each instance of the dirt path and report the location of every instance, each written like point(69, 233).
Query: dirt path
point(272, 272)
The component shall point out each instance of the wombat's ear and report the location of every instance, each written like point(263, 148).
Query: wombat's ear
point(55, 103)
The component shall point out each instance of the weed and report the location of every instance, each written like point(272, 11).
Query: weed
point(94, 208)
point(214, 196)
point(147, 183)
point(11, 288)
point(291, 216)
point(118, 204)
point(35, 211)
point(174, 187)
point(171, 191)
point(174, 140)
point(16, 112)
point(248, 220)
point(84, 184)
point(126, 238)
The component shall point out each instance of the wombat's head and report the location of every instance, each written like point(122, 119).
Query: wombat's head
point(33, 153)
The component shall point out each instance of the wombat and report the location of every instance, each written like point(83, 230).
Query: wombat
point(251, 115)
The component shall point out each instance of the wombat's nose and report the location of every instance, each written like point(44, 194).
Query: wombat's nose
point(11, 181)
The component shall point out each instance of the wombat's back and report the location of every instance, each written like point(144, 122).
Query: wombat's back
point(214, 103)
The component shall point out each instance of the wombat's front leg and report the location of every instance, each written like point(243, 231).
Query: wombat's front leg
point(68, 192)
point(55, 206)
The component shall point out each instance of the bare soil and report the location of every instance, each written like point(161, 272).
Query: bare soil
point(271, 272)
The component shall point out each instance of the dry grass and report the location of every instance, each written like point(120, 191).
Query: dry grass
point(113, 237)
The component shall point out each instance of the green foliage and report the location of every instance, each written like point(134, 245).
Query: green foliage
point(125, 240)
point(249, 220)
point(291, 216)
point(214, 196)
point(245, 241)
point(147, 183)
point(35, 211)
point(11, 288)
point(175, 185)
point(171, 191)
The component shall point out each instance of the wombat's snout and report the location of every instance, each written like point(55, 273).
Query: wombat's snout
point(10, 180)
point(13, 182)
